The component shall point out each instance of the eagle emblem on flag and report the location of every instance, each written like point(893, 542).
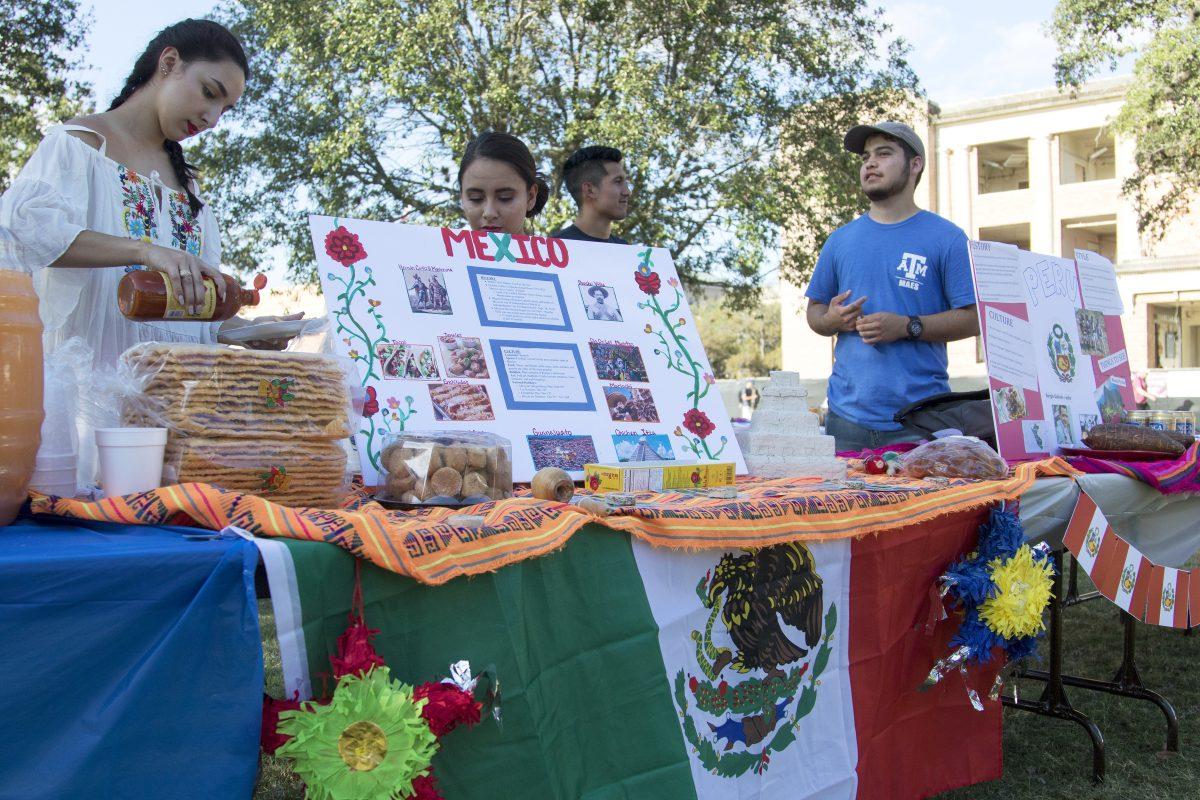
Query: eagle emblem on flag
point(751, 696)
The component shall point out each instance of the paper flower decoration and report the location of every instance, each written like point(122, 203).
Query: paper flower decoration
point(1003, 589)
point(1022, 594)
point(370, 741)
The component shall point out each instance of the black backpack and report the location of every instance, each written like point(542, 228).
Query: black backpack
point(969, 412)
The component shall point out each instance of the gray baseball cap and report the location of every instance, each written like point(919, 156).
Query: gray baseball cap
point(856, 139)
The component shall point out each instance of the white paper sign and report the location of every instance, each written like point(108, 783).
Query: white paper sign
point(1098, 279)
point(574, 351)
point(1009, 348)
point(995, 267)
point(1112, 362)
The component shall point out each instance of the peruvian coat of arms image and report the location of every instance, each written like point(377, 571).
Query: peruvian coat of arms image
point(1062, 353)
point(742, 703)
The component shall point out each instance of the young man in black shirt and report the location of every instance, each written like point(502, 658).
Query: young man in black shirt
point(596, 178)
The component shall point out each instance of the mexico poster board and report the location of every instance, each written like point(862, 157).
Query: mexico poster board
point(576, 352)
point(1054, 346)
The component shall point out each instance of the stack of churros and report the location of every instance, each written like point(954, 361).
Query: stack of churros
point(252, 421)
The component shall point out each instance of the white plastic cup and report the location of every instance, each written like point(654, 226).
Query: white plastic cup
point(58, 482)
point(131, 459)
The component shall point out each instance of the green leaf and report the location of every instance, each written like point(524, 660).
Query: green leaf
point(831, 619)
point(822, 659)
point(808, 699)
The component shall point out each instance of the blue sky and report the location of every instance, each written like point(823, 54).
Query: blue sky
point(961, 50)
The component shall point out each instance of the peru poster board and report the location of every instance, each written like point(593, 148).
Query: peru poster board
point(1055, 350)
point(576, 352)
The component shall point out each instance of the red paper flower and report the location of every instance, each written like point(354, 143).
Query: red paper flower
point(371, 407)
point(446, 706)
point(343, 246)
point(650, 284)
point(425, 788)
point(270, 739)
point(698, 422)
point(355, 653)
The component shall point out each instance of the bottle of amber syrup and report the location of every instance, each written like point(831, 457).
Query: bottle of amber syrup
point(147, 295)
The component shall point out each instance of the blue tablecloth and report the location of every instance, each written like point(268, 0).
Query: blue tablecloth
point(130, 662)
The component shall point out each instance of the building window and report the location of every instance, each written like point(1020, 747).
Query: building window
point(1017, 235)
point(1003, 166)
point(1086, 156)
point(1098, 234)
point(1175, 335)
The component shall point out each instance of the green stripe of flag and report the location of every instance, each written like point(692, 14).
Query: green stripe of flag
point(587, 712)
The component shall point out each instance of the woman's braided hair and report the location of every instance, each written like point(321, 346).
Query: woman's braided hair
point(196, 40)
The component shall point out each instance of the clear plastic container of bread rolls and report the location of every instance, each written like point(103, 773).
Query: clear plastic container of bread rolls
point(445, 468)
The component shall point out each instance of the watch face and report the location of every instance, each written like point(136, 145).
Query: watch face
point(915, 328)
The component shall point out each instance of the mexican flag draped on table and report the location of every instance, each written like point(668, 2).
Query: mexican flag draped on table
point(629, 671)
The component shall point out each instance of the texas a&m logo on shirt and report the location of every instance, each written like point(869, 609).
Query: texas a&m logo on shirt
point(912, 269)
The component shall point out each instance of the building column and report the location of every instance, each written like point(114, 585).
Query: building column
point(1129, 241)
point(972, 190)
point(1041, 186)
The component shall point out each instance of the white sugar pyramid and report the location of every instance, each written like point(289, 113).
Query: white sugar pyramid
point(784, 439)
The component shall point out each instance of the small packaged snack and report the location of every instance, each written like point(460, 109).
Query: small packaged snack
point(445, 468)
point(954, 457)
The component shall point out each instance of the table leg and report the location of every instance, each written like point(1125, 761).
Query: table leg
point(1054, 702)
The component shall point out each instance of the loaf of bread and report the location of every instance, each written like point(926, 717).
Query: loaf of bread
point(1122, 436)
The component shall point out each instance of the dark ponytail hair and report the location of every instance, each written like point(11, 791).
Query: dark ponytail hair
point(196, 40)
point(512, 151)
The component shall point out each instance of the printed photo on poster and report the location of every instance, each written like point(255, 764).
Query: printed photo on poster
point(391, 357)
point(1093, 338)
point(600, 303)
point(565, 452)
point(1010, 403)
point(1108, 399)
point(427, 292)
point(463, 356)
point(460, 402)
point(1087, 422)
point(646, 447)
point(619, 362)
point(1037, 435)
point(626, 404)
point(1063, 432)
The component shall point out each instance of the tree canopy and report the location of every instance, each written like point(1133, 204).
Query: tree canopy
point(38, 39)
point(730, 113)
point(1161, 108)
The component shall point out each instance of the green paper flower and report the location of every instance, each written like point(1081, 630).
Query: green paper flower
point(369, 742)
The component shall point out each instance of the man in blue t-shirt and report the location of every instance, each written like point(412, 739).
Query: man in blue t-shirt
point(909, 272)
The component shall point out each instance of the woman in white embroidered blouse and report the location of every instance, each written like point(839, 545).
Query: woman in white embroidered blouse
point(113, 190)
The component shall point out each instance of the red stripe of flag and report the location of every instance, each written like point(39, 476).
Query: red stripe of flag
point(1081, 517)
point(1110, 560)
point(1154, 595)
point(1141, 590)
point(1194, 597)
point(1181, 600)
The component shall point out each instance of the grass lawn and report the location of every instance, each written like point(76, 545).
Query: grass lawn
point(1044, 759)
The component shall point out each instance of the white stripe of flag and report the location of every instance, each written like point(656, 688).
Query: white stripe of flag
point(1128, 580)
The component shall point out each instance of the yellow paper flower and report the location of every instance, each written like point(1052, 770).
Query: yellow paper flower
point(1023, 594)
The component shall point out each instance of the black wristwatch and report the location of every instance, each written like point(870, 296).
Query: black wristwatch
point(915, 328)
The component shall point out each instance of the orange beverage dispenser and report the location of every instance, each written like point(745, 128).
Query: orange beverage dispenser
point(20, 389)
